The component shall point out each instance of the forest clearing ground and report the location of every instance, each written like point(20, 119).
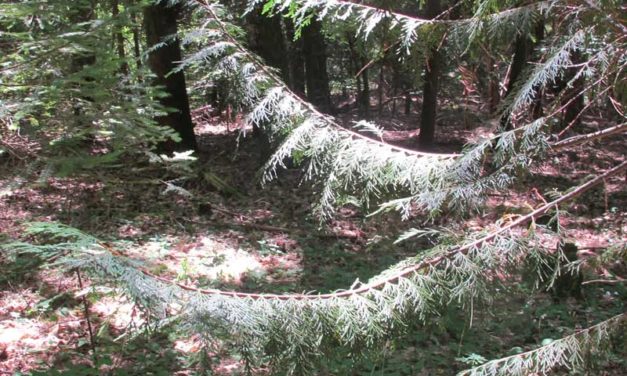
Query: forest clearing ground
point(232, 237)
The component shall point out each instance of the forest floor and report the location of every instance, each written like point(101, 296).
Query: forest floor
point(233, 234)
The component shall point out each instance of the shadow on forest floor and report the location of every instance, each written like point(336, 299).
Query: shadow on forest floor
point(233, 234)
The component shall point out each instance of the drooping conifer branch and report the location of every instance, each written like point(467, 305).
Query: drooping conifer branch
point(370, 16)
point(440, 258)
point(569, 351)
point(282, 87)
point(297, 329)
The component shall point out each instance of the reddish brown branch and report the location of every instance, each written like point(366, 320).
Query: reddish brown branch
point(575, 140)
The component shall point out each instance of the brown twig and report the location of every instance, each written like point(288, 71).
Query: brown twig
point(92, 339)
point(575, 140)
point(604, 281)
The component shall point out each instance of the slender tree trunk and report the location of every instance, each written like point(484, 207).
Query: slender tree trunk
point(523, 50)
point(136, 36)
point(364, 97)
point(493, 94)
point(317, 78)
point(521, 55)
point(119, 38)
point(161, 21)
point(82, 11)
point(380, 88)
point(395, 80)
point(297, 79)
point(574, 102)
point(537, 109)
point(430, 88)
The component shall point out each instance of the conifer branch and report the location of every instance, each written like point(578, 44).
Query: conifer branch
point(308, 106)
point(568, 351)
point(580, 139)
point(428, 263)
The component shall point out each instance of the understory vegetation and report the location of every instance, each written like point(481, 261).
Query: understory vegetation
point(313, 187)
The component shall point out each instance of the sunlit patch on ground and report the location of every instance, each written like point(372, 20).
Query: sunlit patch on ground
point(23, 342)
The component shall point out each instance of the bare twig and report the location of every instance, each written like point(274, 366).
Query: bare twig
point(92, 339)
point(580, 139)
point(605, 281)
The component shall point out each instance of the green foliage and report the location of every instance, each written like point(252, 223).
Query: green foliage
point(60, 79)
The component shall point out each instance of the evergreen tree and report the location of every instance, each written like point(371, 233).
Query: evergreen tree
point(294, 333)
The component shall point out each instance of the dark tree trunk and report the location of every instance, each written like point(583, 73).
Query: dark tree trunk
point(296, 61)
point(521, 55)
point(82, 11)
point(314, 48)
point(160, 21)
point(119, 38)
point(395, 84)
point(430, 88)
point(571, 97)
point(523, 49)
point(364, 96)
point(380, 88)
point(487, 71)
point(136, 35)
point(266, 39)
point(537, 110)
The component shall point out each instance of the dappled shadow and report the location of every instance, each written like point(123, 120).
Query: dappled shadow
point(233, 234)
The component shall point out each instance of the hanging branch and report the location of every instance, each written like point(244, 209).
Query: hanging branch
point(311, 108)
point(568, 351)
point(393, 278)
point(580, 139)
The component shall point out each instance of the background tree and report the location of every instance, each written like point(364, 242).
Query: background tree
point(160, 22)
point(463, 252)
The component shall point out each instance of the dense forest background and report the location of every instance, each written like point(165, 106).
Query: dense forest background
point(322, 187)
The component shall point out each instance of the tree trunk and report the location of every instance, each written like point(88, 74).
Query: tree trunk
point(571, 98)
point(160, 22)
point(82, 11)
point(380, 88)
point(364, 96)
point(523, 49)
point(317, 78)
point(430, 88)
point(119, 38)
point(266, 39)
point(296, 61)
point(136, 35)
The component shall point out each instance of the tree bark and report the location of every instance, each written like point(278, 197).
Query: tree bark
point(380, 88)
point(572, 97)
point(119, 38)
point(266, 39)
point(523, 49)
point(136, 34)
point(317, 78)
point(297, 61)
point(160, 21)
point(430, 88)
point(364, 96)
